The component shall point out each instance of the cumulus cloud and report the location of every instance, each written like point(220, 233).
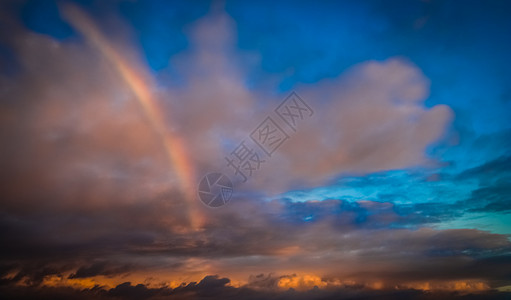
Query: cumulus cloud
point(85, 126)
point(370, 119)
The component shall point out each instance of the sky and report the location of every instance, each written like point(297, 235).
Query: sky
point(255, 149)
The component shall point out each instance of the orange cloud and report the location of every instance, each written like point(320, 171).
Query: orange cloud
point(301, 282)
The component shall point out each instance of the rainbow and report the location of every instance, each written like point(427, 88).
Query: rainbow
point(141, 85)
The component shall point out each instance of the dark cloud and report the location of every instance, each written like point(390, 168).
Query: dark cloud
point(139, 291)
point(98, 268)
point(357, 237)
point(498, 167)
point(213, 287)
point(493, 193)
point(495, 198)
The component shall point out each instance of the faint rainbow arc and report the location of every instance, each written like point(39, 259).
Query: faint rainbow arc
point(173, 143)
